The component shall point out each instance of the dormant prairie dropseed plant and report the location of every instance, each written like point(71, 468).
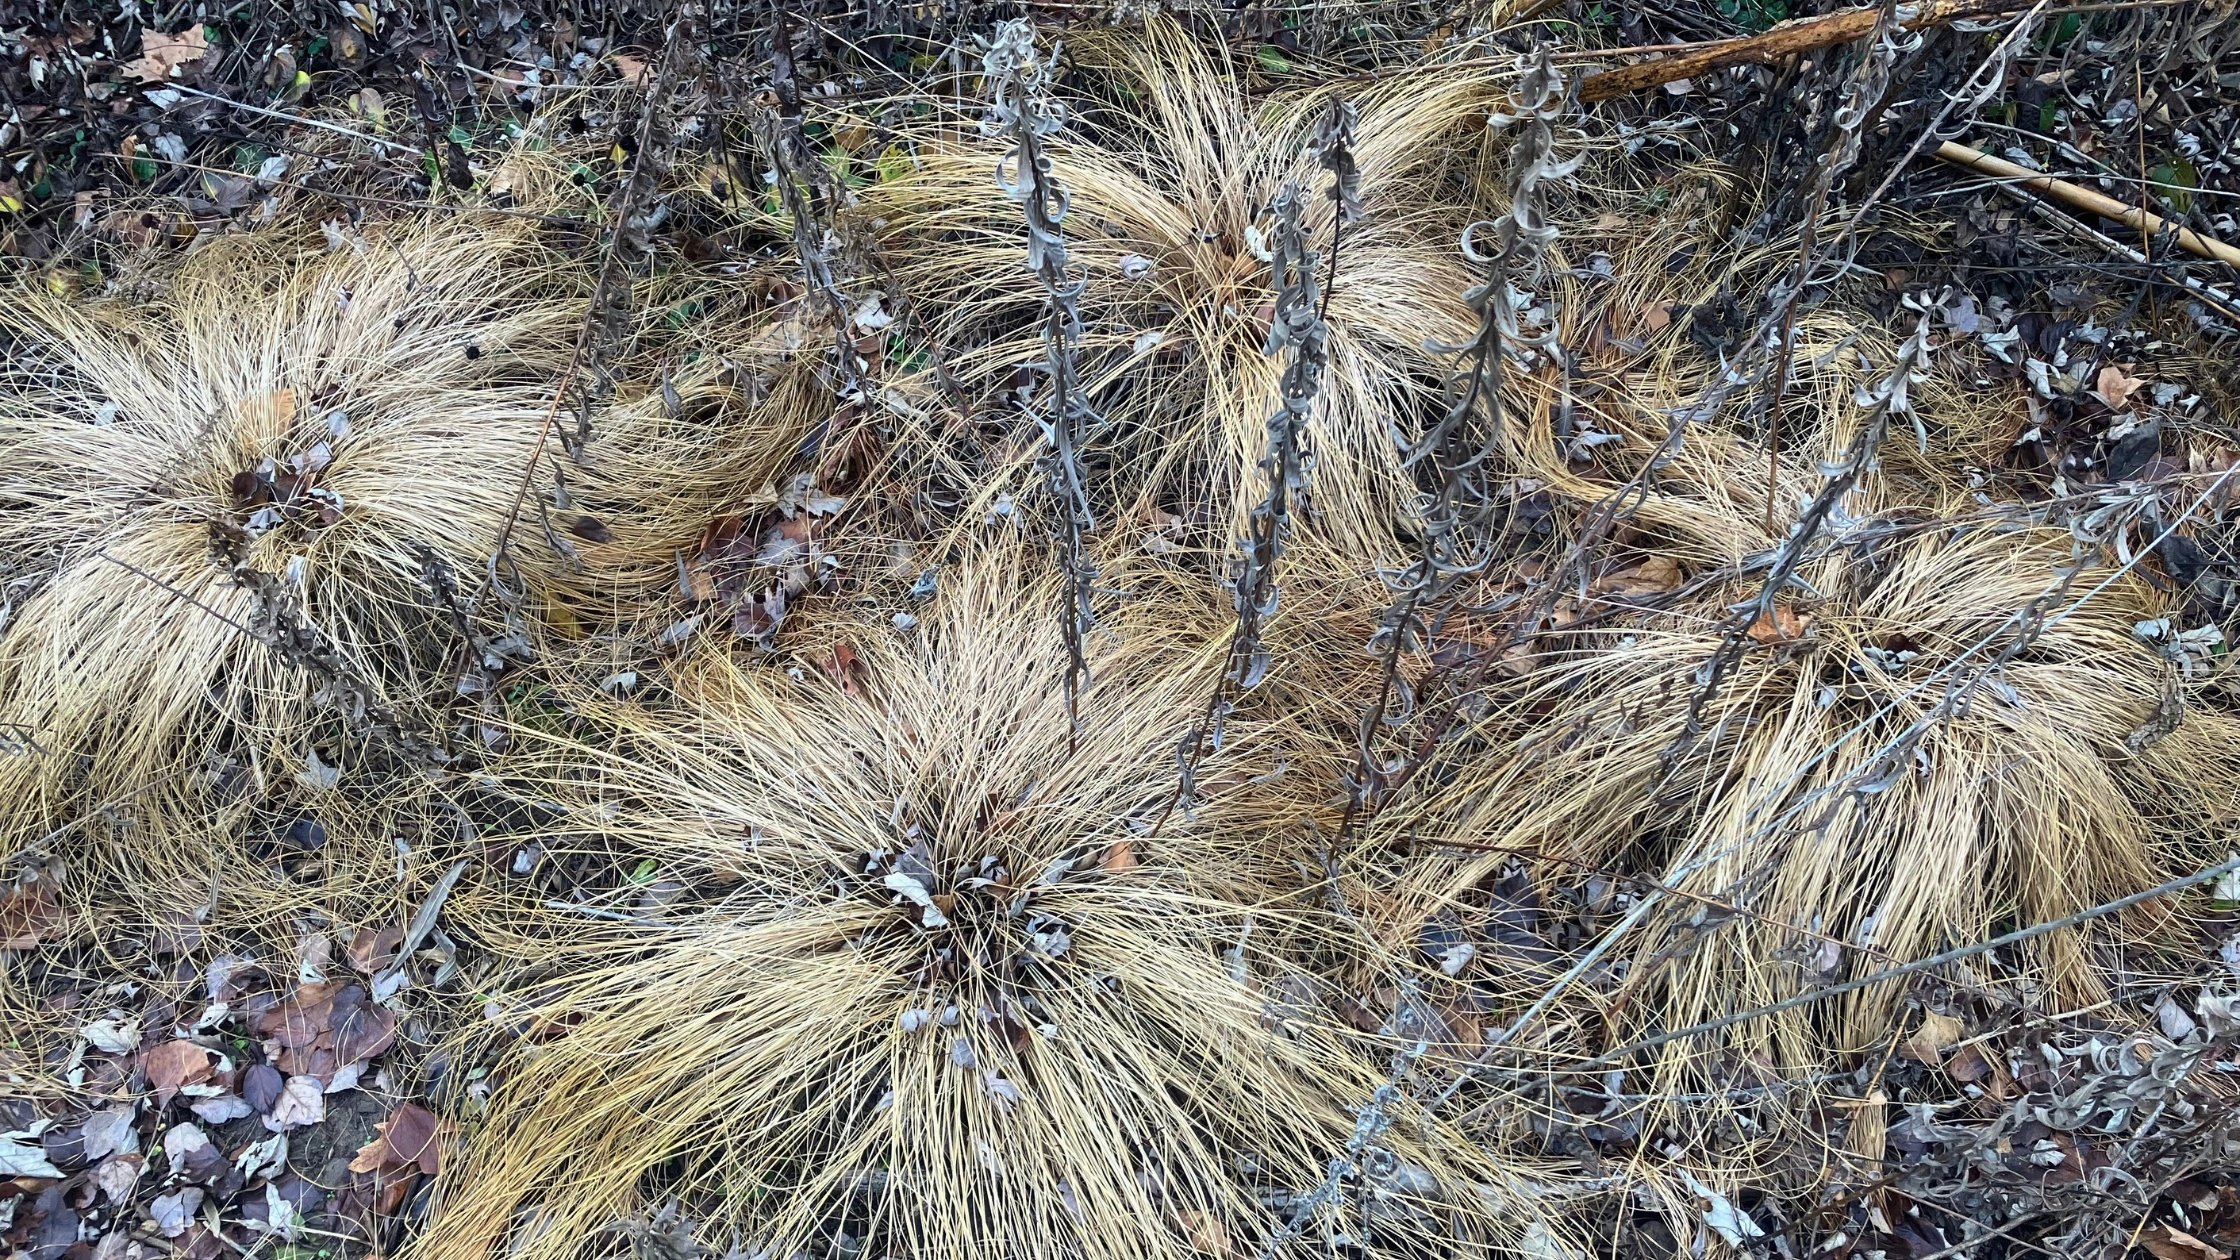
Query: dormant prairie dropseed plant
point(958, 1000)
point(1164, 179)
point(243, 521)
point(1830, 791)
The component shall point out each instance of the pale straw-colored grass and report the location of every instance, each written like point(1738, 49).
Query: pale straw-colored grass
point(1123, 1047)
point(420, 364)
point(1166, 174)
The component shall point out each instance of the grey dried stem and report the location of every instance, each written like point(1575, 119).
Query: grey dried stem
point(1887, 398)
point(2158, 1096)
point(1368, 1126)
point(1771, 336)
point(1333, 151)
point(1862, 95)
point(1776, 335)
point(1454, 522)
point(277, 621)
point(1297, 326)
point(628, 251)
point(2102, 526)
point(1775, 331)
point(1025, 109)
point(485, 652)
point(1363, 1150)
point(1916, 967)
point(637, 213)
point(801, 184)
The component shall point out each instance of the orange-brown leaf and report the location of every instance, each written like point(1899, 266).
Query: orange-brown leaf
point(1782, 625)
point(270, 415)
point(372, 950)
point(172, 1065)
point(1656, 575)
point(28, 915)
point(160, 54)
point(2116, 386)
point(411, 1139)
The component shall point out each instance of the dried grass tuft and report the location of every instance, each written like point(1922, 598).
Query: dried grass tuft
point(1167, 175)
point(958, 1002)
point(353, 419)
point(1833, 792)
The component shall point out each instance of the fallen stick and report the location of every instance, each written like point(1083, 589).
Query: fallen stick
point(2223, 302)
point(1802, 35)
point(2081, 198)
point(1786, 39)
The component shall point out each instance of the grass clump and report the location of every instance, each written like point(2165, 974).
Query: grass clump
point(257, 517)
point(957, 998)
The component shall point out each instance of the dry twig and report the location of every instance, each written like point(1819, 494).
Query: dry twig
point(2088, 200)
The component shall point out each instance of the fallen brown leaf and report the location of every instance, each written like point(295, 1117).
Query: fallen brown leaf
point(410, 1138)
point(118, 1174)
point(370, 951)
point(302, 1101)
point(698, 579)
point(2116, 387)
point(172, 1065)
point(362, 1029)
point(1968, 1066)
point(300, 1019)
point(1782, 625)
point(161, 54)
point(1937, 1034)
point(260, 1087)
point(28, 915)
point(1657, 575)
point(392, 1194)
point(2168, 1242)
point(846, 668)
point(270, 415)
point(323, 1027)
point(1208, 1236)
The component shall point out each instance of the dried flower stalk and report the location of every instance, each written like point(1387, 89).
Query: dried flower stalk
point(1453, 526)
point(1025, 109)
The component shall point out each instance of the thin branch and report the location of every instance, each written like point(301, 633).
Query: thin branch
point(1793, 38)
point(1453, 520)
point(2086, 199)
point(298, 119)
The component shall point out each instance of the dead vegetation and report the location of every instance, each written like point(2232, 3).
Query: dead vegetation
point(938, 984)
point(1125, 635)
